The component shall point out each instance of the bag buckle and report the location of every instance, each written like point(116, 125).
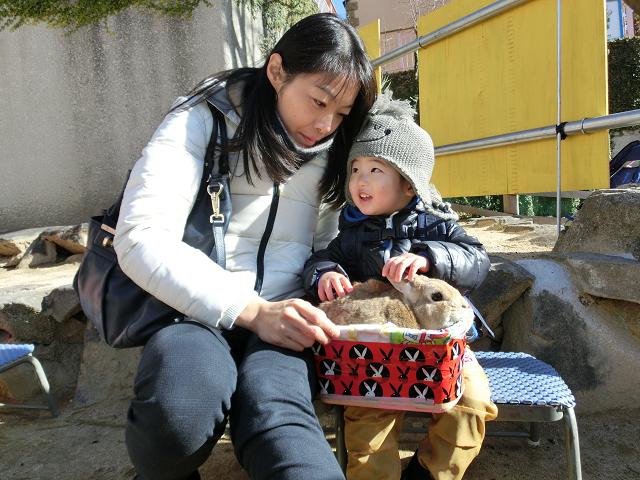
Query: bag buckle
point(107, 241)
point(214, 191)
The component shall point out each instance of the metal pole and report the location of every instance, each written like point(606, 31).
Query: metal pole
point(615, 120)
point(584, 126)
point(558, 115)
point(485, 13)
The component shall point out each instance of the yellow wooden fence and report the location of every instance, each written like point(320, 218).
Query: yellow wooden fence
point(498, 77)
point(370, 34)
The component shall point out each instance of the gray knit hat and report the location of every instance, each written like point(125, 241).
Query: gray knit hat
point(390, 133)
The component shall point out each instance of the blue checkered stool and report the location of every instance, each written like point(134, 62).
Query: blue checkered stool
point(525, 389)
point(12, 355)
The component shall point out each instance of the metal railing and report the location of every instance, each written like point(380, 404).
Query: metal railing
point(454, 27)
point(583, 126)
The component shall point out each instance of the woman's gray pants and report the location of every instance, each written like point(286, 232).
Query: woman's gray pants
point(190, 379)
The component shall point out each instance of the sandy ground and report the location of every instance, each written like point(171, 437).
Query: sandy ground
point(88, 442)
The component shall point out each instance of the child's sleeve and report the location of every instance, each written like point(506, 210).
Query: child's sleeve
point(326, 260)
point(454, 256)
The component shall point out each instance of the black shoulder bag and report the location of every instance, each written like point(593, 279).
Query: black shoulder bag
point(125, 314)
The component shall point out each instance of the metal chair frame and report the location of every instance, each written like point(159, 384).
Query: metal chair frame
point(41, 377)
point(532, 392)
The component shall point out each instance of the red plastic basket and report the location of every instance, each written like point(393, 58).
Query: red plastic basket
point(417, 370)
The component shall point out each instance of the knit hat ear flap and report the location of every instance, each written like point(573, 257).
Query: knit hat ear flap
point(438, 207)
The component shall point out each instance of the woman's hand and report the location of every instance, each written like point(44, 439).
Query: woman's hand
point(293, 324)
point(331, 282)
point(408, 263)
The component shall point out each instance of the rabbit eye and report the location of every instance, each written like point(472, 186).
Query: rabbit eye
point(436, 297)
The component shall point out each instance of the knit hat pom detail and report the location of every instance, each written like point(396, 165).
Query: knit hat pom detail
point(385, 104)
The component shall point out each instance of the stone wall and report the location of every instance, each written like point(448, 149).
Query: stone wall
point(77, 109)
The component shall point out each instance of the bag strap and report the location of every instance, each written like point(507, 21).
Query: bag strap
point(221, 133)
point(111, 214)
point(479, 316)
point(218, 185)
point(215, 185)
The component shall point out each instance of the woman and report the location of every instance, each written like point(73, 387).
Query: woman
point(240, 354)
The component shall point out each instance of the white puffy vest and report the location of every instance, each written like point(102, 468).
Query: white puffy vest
point(159, 196)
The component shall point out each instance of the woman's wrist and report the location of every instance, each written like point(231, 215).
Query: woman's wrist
point(249, 315)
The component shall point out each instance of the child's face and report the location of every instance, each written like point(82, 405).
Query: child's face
point(377, 188)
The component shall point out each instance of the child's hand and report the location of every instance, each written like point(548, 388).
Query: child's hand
point(331, 282)
point(408, 263)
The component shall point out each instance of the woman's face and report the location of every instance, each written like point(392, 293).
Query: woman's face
point(310, 107)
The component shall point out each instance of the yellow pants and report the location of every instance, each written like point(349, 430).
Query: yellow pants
point(452, 442)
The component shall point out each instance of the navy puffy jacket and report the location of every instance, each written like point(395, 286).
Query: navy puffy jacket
point(364, 243)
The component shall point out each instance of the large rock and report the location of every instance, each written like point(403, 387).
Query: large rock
point(72, 239)
point(61, 304)
point(593, 342)
point(604, 276)
point(57, 332)
point(504, 284)
point(608, 222)
point(53, 245)
point(15, 243)
point(24, 324)
point(40, 252)
point(58, 346)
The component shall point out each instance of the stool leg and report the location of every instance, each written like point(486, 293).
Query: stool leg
point(44, 384)
point(341, 448)
point(534, 434)
point(572, 444)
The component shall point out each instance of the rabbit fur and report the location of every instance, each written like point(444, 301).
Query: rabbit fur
point(424, 303)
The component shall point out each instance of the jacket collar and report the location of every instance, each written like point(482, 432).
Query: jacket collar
point(352, 214)
point(227, 101)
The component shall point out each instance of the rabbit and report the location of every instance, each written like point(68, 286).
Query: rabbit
point(424, 303)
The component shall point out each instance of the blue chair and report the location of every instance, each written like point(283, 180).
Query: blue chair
point(12, 355)
point(529, 390)
point(526, 390)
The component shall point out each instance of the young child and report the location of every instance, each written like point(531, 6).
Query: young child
point(395, 225)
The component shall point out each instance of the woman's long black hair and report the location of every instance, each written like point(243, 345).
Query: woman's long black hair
point(320, 43)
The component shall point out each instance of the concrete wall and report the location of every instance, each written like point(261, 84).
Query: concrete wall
point(77, 109)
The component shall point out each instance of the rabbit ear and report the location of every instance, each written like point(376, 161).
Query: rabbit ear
point(407, 289)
